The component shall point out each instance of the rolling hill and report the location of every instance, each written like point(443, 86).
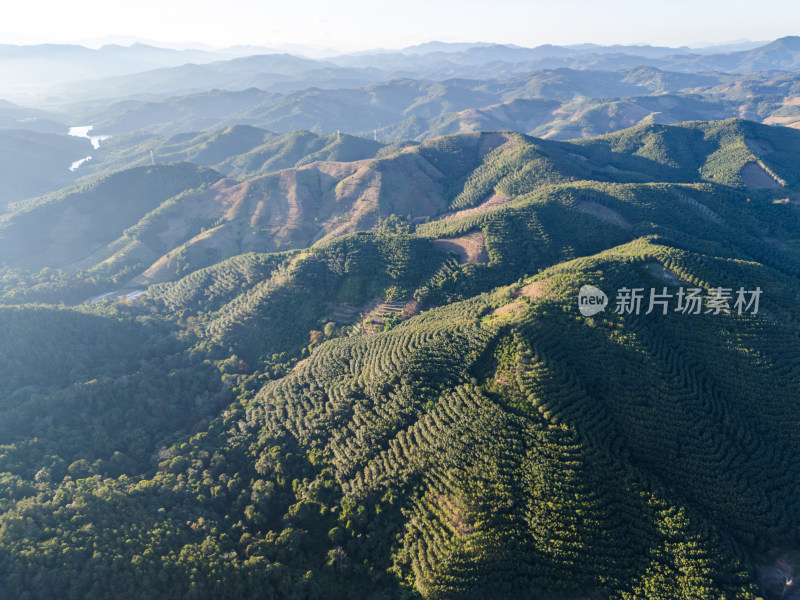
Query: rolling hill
point(371, 378)
point(459, 321)
point(201, 218)
point(558, 103)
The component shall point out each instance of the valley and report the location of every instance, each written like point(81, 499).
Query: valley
point(309, 328)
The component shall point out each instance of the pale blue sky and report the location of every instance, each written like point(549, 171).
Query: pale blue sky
point(360, 24)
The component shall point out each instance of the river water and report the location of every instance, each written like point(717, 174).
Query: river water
point(83, 131)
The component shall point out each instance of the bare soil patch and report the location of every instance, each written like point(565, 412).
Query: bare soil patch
point(511, 307)
point(470, 248)
point(492, 202)
point(534, 290)
point(299, 365)
point(411, 309)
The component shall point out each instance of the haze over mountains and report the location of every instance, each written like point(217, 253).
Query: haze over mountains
point(298, 190)
point(43, 66)
point(422, 92)
point(310, 329)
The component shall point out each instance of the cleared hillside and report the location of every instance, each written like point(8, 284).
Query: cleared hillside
point(155, 232)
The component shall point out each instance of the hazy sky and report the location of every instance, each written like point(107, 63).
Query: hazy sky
point(360, 24)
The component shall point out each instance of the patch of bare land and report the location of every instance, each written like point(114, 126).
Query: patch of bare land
point(494, 201)
point(534, 290)
point(464, 119)
point(757, 177)
point(788, 121)
point(372, 316)
point(511, 307)
point(603, 213)
point(342, 313)
point(375, 319)
point(411, 309)
point(748, 112)
point(470, 248)
point(300, 364)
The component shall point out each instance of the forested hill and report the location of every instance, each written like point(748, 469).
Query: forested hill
point(154, 223)
point(413, 406)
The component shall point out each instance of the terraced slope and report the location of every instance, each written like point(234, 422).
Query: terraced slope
point(469, 451)
point(375, 416)
point(443, 187)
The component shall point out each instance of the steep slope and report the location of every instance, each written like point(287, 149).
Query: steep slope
point(501, 445)
point(293, 208)
point(447, 181)
point(32, 164)
point(66, 227)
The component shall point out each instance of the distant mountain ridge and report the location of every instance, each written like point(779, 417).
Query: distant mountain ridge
point(45, 65)
point(537, 103)
point(299, 190)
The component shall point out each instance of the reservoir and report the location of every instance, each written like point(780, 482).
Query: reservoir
point(83, 131)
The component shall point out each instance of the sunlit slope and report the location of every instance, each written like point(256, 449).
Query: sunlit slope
point(499, 446)
point(239, 151)
point(718, 175)
point(535, 451)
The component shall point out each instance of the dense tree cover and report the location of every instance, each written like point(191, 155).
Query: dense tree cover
point(99, 387)
point(467, 452)
point(258, 305)
point(154, 223)
point(242, 433)
point(239, 151)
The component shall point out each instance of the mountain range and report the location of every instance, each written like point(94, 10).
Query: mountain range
point(368, 376)
point(461, 321)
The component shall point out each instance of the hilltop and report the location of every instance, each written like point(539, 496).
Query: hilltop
point(194, 216)
point(369, 378)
